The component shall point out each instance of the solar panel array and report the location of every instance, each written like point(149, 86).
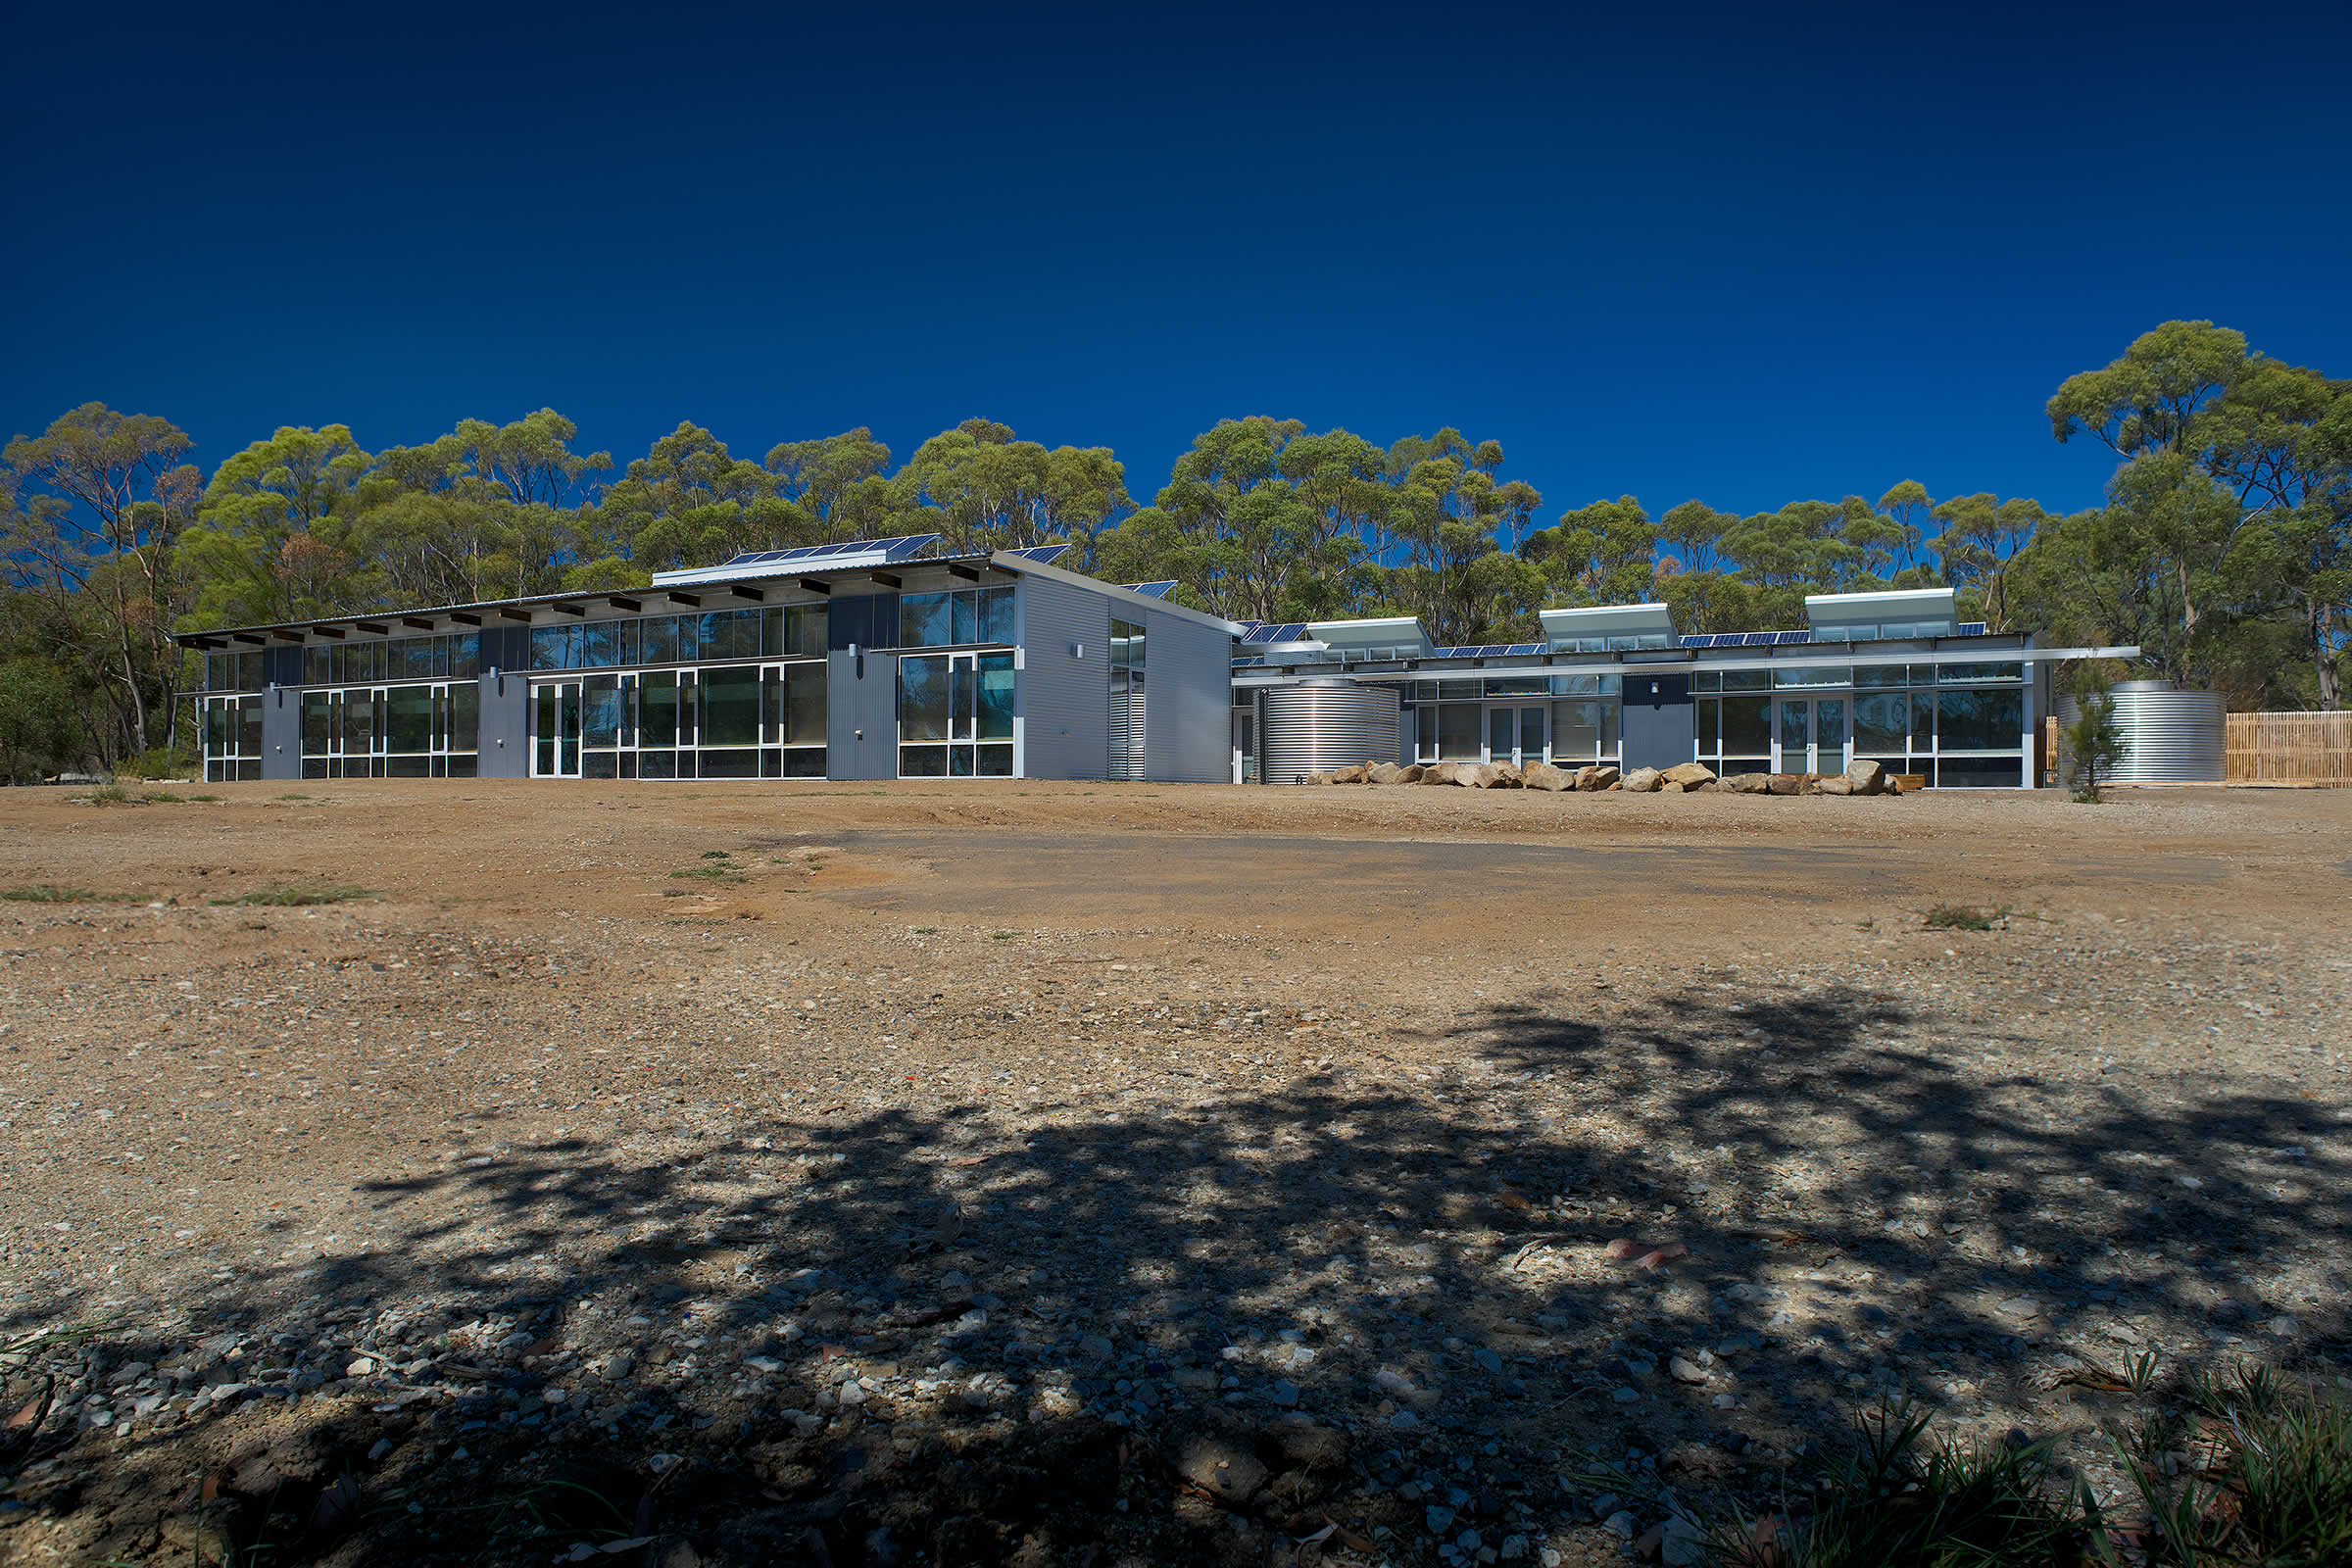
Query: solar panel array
point(1970, 629)
point(898, 549)
point(1275, 631)
point(1746, 639)
point(1152, 590)
point(1042, 555)
point(1489, 651)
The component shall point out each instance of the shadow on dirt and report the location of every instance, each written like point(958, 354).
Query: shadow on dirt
point(1204, 1329)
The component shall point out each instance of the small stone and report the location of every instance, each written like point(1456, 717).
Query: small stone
point(1285, 1393)
point(382, 1447)
point(360, 1368)
point(2284, 1325)
point(555, 1395)
point(1552, 1558)
point(1682, 1371)
point(1619, 1524)
point(1625, 1395)
point(1095, 1348)
point(1489, 1359)
point(1439, 1518)
point(1468, 1540)
point(1403, 1419)
point(662, 1464)
point(1725, 1402)
point(1229, 1474)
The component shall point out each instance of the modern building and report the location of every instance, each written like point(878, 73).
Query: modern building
point(1896, 677)
point(871, 659)
point(878, 660)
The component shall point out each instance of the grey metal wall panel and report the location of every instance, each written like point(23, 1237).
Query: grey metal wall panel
point(1066, 698)
point(861, 715)
point(506, 724)
point(1660, 722)
point(1188, 702)
point(281, 731)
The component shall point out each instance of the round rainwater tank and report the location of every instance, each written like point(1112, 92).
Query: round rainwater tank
point(1326, 723)
point(2170, 736)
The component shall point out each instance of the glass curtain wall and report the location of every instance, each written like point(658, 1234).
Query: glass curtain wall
point(420, 731)
point(232, 739)
point(956, 715)
point(1955, 726)
point(1569, 720)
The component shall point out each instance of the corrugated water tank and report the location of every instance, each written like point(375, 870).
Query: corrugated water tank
point(2170, 736)
point(1324, 723)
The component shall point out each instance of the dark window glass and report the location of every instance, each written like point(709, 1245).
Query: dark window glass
point(249, 725)
point(1923, 721)
point(1455, 691)
point(1747, 680)
point(1707, 680)
point(922, 700)
point(966, 617)
point(743, 763)
point(659, 635)
point(923, 762)
point(1880, 721)
point(1878, 675)
point(1986, 720)
point(730, 708)
point(1709, 735)
point(657, 764)
point(1952, 673)
point(408, 720)
point(464, 717)
point(805, 705)
point(804, 630)
point(314, 710)
point(600, 645)
point(465, 656)
point(418, 767)
point(926, 620)
point(996, 615)
point(1979, 772)
point(1457, 732)
point(808, 761)
point(995, 761)
point(318, 664)
point(995, 698)
point(1747, 726)
point(658, 705)
point(600, 713)
point(551, 647)
point(772, 632)
point(600, 764)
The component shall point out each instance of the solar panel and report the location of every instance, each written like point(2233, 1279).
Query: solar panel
point(1793, 636)
point(1152, 590)
point(1969, 628)
point(895, 549)
point(1042, 555)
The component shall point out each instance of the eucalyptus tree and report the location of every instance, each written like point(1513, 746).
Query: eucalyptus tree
point(1605, 553)
point(983, 489)
point(105, 501)
point(1978, 547)
point(272, 537)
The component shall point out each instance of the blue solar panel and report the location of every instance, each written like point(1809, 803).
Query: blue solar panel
point(1699, 639)
point(898, 549)
point(1793, 636)
point(1275, 631)
point(1152, 590)
point(1042, 555)
point(1969, 628)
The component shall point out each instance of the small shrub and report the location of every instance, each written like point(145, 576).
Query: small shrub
point(209, 799)
point(716, 854)
point(164, 798)
point(710, 873)
point(2094, 744)
point(113, 795)
point(1960, 917)
point(300, 895)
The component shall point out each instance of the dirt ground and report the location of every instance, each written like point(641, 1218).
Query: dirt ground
point(1106, 1174)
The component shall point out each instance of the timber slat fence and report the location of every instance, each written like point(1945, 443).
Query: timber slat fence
point(2288, 749)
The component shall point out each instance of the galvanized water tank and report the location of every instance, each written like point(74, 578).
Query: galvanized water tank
point(2170, 736)
point(1323, 723)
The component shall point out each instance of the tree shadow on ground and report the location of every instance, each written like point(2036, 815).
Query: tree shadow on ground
point(1188, 1321)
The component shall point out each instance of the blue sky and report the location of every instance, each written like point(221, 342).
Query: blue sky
point(1741, 256)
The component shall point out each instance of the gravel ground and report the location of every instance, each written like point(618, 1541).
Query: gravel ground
point(1043, 1174)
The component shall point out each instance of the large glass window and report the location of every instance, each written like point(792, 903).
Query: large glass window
point(731, 707)
point(408, 720)
point(1882, 722)
point(1986, 720)
point(956, 715)
point(657, 709)
point(955, 618)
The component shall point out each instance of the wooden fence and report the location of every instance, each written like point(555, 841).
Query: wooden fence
point(2288, 749)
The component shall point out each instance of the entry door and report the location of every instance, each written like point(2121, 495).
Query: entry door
point(1810, 735)
point(555, 729)
point(1516, 734)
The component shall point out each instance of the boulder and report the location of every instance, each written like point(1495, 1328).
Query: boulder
point(1866, 777)
point(1642, 781)
point(1808, 784)
point(1314, 778)
point(1834, 784)
point(1409, 775)
point(1707, 786)
point(1748, 783)
point(1508, 776)
point(1544, 777)
point(1595, 779)
point(1785, 784)
point(1438, 773)
point(1474, 775)
point(1384, 774)
point(1686, 777)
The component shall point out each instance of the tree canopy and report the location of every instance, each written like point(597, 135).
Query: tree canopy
point(2224, 547)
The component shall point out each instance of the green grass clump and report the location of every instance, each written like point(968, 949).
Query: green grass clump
point(50, 893)
point(2248, 1470)
point(298, 894)
point(716, 854)
point(1960, 917)
point(709, 873)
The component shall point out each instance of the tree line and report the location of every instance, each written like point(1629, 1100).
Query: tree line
point(2224, 547)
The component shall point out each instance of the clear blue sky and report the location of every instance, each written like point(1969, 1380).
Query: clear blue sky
point(1749, 255)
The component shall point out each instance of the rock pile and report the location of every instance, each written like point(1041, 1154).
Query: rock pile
point(1687, 779)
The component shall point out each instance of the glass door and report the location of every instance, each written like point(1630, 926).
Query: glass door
point(555, 729)
point(956, 717)
point(1516, 734)
point(1792, 736)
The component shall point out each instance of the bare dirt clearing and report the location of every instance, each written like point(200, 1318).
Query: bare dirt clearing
point(1018, 1171)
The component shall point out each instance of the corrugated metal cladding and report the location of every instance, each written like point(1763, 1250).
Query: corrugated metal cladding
point(1188, 701)
point(1066, 698)
point(281, 729)
point(862, 715)
point(1318, 725)
point(506, 723)
point(2170, 736)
